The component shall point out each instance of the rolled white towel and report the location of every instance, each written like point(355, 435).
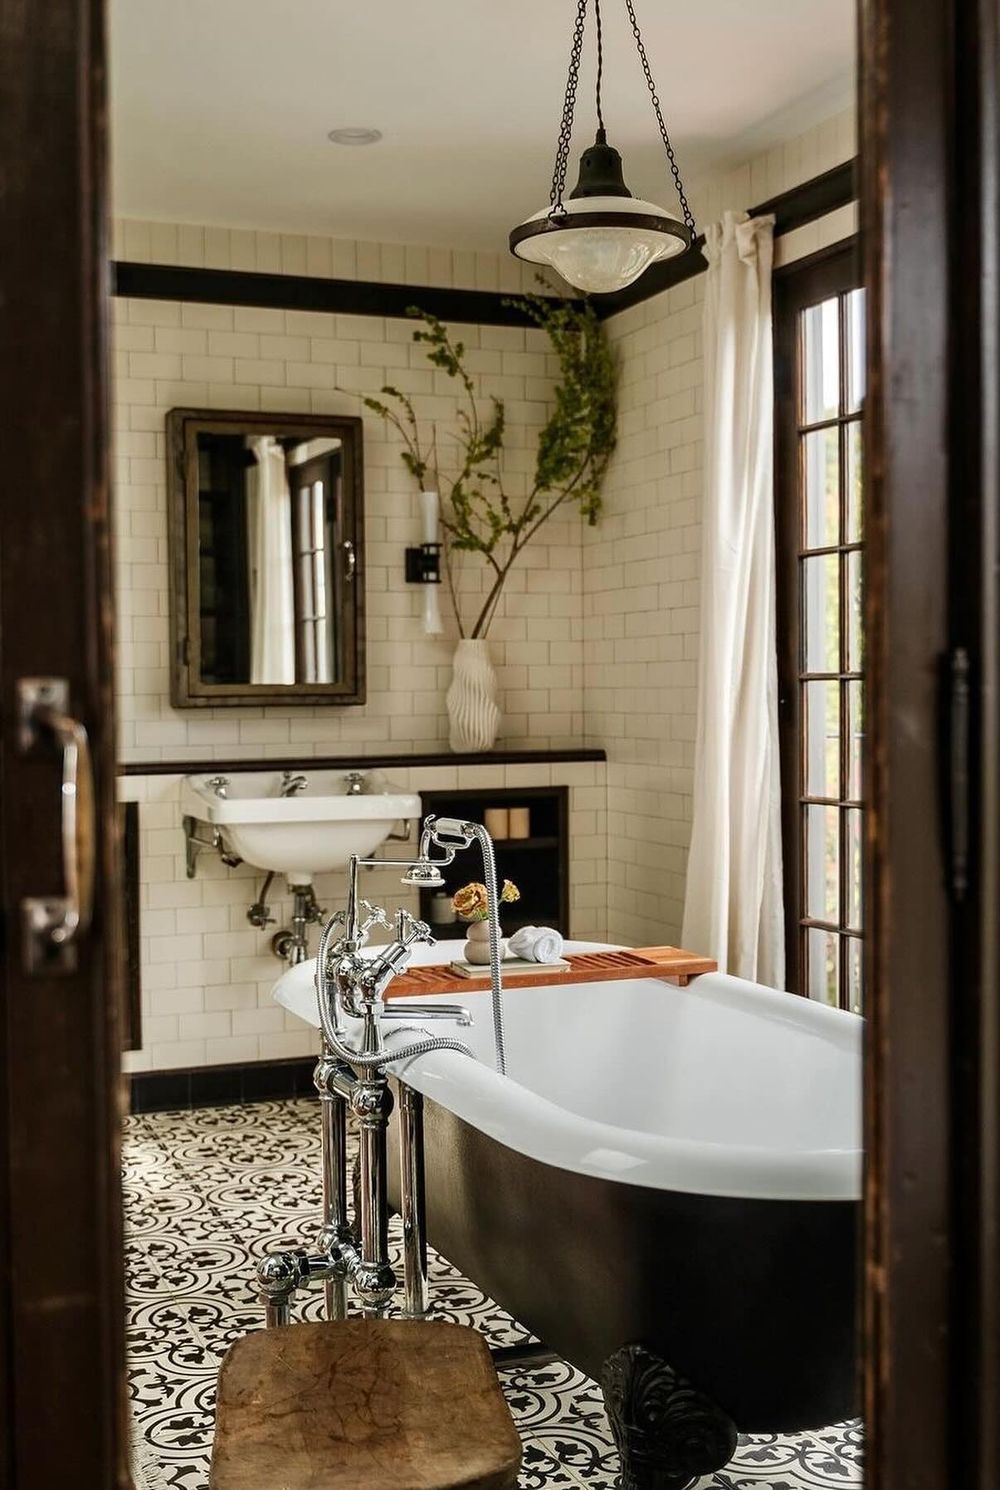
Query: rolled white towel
point(536, 944)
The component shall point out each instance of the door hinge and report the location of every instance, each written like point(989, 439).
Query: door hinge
point(957, 806)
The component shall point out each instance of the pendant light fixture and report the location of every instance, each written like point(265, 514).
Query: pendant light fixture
point(602, 238)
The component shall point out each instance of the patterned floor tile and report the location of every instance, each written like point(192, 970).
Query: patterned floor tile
point(208, 1192)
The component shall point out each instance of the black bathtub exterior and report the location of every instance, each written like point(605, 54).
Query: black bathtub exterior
point(753, 1301)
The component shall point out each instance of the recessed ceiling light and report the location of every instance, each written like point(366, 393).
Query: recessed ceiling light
point(355, 135)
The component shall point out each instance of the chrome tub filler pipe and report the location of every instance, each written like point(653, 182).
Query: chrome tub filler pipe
point(351, 1077)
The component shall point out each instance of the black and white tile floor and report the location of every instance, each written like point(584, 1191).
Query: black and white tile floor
point(208, 1192)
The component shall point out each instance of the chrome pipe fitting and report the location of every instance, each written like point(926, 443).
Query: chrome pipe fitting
point(337, 1239)
point(373, 1277)
point(279, 1275)
point(412, 1209)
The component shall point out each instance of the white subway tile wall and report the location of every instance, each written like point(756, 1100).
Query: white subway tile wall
point(595, 643)
point(206, 974)
point(642, 565)
point(170, 355)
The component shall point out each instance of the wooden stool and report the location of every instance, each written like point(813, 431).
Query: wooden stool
point(363, 1404)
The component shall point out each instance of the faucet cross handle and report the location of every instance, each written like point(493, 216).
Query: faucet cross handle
point(409, 930)
point(374, 915)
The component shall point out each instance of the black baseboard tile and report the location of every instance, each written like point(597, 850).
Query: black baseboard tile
point(218, 1086)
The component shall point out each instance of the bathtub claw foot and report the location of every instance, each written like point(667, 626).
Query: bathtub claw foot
point(666, 1431)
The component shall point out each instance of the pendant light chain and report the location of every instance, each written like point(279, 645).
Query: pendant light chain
point(674, 169)
point(569, 107)
point(600, 67)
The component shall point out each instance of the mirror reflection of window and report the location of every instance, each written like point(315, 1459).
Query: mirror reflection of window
point(269, 519)
point(315, 468)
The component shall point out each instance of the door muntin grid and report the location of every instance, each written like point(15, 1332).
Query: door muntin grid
point(830, 670)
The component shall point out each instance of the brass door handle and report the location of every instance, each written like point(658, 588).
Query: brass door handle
point(53, 924)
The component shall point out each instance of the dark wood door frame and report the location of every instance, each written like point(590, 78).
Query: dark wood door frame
point(61, 1336)
point(930, 84)
point(930, 79)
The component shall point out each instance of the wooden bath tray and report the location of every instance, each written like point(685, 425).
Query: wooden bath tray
point(584, 967)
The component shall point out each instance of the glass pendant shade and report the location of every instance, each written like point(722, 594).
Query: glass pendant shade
point(600, 244)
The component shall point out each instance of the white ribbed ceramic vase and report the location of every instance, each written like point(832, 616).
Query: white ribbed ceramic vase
point(473, 714)
point(477, 947)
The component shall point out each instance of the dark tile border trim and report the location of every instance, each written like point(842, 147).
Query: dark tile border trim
point(353, 762)
point(215, 1086)
point(792, 209)
point(356, 297)
point(132, 1003)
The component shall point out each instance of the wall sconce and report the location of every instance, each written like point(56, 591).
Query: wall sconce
point(423, 564)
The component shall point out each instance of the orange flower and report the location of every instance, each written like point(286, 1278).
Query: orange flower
point(470, 902)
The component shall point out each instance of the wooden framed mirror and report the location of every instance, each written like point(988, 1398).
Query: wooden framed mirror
point(266, 534)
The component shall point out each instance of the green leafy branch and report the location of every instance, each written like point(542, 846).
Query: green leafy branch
point(479, 515)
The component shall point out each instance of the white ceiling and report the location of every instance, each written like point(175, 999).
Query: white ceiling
point(220, 108)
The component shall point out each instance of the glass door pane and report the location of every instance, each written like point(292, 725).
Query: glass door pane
point(829, 614)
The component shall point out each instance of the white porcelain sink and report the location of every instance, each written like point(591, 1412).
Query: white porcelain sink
point(316, 830)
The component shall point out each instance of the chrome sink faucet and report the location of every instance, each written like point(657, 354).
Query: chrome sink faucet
point(291, 783)
point(219, 785)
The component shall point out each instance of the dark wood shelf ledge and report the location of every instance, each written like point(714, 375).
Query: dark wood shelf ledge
point(360, 762)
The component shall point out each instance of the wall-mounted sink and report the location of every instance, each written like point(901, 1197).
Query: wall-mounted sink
point(297, 825)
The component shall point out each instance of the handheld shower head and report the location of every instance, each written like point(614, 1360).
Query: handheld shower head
point(447, 833)
point(423, 874)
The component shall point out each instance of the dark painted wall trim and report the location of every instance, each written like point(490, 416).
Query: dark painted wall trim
point(132, 1006)
point(352, 762)
point(792, 209)
point(354, 297)
point(213, 1086)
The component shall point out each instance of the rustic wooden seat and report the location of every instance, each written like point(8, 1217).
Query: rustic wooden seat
point(363, 1404)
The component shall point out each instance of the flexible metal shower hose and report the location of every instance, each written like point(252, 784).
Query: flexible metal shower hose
point(493, 903)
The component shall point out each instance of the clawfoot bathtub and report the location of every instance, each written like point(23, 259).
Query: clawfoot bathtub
point(663, 1188)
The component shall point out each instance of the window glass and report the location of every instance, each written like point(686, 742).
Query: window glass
point(820, 515)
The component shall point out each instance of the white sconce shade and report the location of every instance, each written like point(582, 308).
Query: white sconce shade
point(429, 520)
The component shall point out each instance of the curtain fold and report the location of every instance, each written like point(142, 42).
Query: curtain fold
point(733, 907)
point(272, 597)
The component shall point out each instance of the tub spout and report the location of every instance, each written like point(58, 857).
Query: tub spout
point(458, 1012)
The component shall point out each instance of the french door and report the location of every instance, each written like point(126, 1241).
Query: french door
point(819, 525)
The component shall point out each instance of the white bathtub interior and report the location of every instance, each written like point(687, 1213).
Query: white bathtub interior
point(723, 1087)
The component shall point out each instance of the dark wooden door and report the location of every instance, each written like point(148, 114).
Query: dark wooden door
point(930, 88)
point(61, 1348)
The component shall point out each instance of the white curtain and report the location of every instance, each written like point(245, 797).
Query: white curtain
point(733, 907)
point(272, 642)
